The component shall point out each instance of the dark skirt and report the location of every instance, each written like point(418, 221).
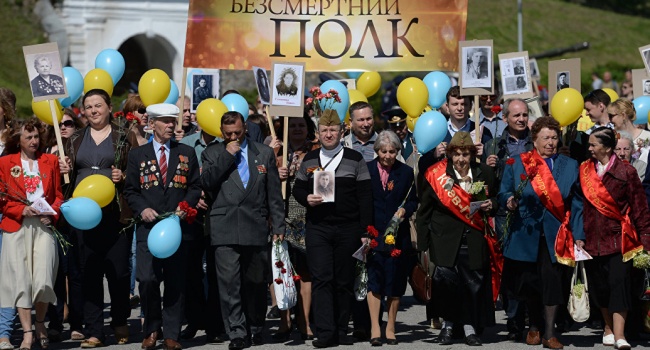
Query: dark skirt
point(299, 261)
point(610, 282)
point(462, 295)
point(543, 278)
point(387, 276)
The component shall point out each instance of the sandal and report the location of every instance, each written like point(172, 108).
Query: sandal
point(43, 341)
point(76, 335)
point(30, 347)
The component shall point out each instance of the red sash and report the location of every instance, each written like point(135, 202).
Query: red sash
point(456, 199)
point(549, 194)
point(599, 197)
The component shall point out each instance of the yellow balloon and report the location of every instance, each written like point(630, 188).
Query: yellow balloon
point(356, 96)
point(44, 113)
point(96, 187)
point(208, 115)
point(410, 122)
point(613, 96)
point(567, 106)
point(369, 83)
point(154, 87)
point(98, 79)
point(412, 96)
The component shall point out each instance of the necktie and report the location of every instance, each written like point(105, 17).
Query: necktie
point(242, 168)
point(163, 165)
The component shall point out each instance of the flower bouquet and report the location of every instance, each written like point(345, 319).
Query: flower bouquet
point(524, 180)
point(190, 216)
point(286, 295)
point(321, 101)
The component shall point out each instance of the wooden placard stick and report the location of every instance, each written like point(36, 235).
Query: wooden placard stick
point(477, 120)
point(179, 125)
point(59, 141)
point(269, 119)
point(285, 151)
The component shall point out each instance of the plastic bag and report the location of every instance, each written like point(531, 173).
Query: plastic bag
point(283, 282)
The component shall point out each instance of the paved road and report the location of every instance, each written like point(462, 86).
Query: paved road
point(412, 333)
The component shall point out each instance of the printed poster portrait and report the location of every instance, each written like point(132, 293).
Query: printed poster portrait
point(646, 87)
point(45, 71)
point(202, 88)
point(288, 85)
point(262, 83)
point(476, 63)
point(563, 80)
point(515, 80)
point(534, 69)
point(645, 56)
point(324, 185)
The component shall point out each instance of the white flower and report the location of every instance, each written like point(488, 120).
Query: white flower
point(449, 184)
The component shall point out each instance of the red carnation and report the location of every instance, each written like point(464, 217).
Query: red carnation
point(523, 177)
point(496, 109)
point(373, 244)
point(296, 278)
point(372, 231)
point(283, 271)
point(279, 264)
point(278, 280)
point(132, 118)
point(395, 253)
point(309, 100)
point(510, 161)
point(118, 114)
point(191, 215)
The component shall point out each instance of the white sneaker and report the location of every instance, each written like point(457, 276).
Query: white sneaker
point(608, 340)
point(6, 346)
point(622, 344)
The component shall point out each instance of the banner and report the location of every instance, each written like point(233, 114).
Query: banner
point(328, 35)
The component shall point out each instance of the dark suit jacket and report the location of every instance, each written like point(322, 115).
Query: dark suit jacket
point(440, 231)
point(238, 215)
point(165, 197)
point(386, 202)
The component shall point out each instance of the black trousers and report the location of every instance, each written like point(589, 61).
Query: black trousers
point(241, 276)
point(332, 267)
point(195, 300)
point(150, 272)
point(104, 252)
point(213, 316)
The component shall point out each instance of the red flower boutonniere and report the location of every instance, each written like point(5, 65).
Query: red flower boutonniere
point(390, 185)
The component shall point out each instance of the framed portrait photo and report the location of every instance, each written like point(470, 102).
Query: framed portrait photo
point(45, 71)
point(204, 85)
point(563, 74)
point(262, 83)
point(535, 109)
point(515, 75)
point(645, 56)
point(324, 185)
point(641, 82)
point(476, 67)
point(534, 69)
point(287, 89)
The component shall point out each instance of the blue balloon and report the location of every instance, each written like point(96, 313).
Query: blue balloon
point(340, 107)
point(165, 237)
point(112, 62)
point(642, 108)
point(354, 75)
point(236, 103)
point(82, 213)
point(74, 83)
point(438, 84)
point(430, 130)
point(173, 93)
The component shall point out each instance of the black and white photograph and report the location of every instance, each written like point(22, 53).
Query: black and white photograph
point(262, 82)
point(646, 87)
point(324, 185)
point(563, 80)
point(475, 68)
point(45, 72)
point(288, 84)
point(535, 109)
point(534, 69)
point(513, 73)
point(204, 86)
point(645, 56)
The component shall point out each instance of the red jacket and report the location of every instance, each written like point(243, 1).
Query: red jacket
point(603, 235)
point(14, 185)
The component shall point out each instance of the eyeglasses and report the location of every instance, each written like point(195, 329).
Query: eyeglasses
point(142, 110)
point(67, 124)
point(592, 95)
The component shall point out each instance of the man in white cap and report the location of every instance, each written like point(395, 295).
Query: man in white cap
point(160, 175)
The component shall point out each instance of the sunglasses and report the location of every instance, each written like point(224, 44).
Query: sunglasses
point(142, 110)
point(67, 124)
point(485, 97)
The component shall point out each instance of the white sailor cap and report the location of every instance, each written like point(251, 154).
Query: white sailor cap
point(162, 110)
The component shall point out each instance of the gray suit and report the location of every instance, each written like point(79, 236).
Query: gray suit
point(239, 228)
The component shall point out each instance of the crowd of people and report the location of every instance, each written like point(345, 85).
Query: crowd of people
point(533, 193)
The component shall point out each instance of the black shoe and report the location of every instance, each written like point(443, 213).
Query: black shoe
point(305, 336)
point(237, 344)
point(444, 338)
point(257, 339)
point(515, 336)
point(391, 341)
point(273, 314)
point(281, 337)
point(215, 339)
point(376, 342)
point(318, 343)
point(361, 334)
point(472, 340)
point(134, 301)
point(345, 339)
point(188, 333)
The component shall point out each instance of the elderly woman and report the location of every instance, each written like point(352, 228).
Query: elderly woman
point(103, 250)
point(625, 148)
point(622, 115)
point(389, 265)
point(46, 84)
point(28, 261)
point(455, 238)
point(617, 223)
point(538, 188)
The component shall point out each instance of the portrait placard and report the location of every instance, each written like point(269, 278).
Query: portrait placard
point(645, 56)
point(262, 83)
point(204, 84)
point(534, 68)
point(476, 67)
point(535, 109)
point(45, 71)
point(641, 82)
point(563, 74)
point(287, 89)
point(350, 84)
point(515, 75)
point(324, 185)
